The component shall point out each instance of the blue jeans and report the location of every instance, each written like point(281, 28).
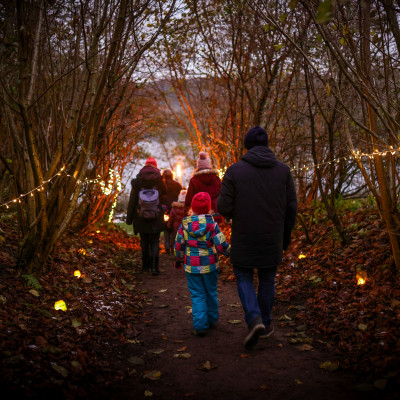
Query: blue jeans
point(203, 292)
point(256, 305)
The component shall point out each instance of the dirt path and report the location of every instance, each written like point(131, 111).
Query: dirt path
point(274, 369)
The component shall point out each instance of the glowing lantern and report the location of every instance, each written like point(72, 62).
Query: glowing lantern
point(361, 277)
point(302, 256)
point(97, 231)
point(60, 305)
point(77, 273)
point(166, 217)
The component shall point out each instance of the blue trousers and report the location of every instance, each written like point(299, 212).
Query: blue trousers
point(256, 305)
point(203, 292)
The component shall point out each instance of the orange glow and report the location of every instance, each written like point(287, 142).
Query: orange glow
point(166, 217)
point(97, 231)
point(179, 170)
point(82, 251)
point(361, 278)
point(302, 256)
point(77, 273)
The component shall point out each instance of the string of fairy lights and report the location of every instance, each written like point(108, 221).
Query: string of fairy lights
point(107, 188)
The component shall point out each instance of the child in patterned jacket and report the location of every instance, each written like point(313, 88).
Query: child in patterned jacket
point(197, 243)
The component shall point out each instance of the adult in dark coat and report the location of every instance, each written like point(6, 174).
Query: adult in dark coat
point(204, 179)
point(149, 177)
point(258, 194)
point(173, 189)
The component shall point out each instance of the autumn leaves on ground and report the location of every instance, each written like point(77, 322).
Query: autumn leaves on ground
point(126, 334)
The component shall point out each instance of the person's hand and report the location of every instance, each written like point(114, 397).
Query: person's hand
point(178, 264)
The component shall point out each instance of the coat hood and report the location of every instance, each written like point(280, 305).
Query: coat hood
point(148, 173)
point(260, 156)
point(207, 176)
point(196, 225)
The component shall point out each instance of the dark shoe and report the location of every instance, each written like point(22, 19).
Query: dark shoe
point(200, 332)
point(267, 332)
point(255, 330)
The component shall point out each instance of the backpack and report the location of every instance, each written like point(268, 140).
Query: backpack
point(148, 203)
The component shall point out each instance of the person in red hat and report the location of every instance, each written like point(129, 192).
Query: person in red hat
point(146, 214)
point(198, 242)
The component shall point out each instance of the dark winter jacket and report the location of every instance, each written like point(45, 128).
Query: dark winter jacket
point(176, 216)
point(259, 195)
point(148, 178)
point(204, 180)
point(173, 189)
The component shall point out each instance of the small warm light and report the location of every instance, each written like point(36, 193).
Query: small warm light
point(77, 273)
point(361, 277)
point(82, 251)
point(60, 305)
point(97, 231)
point(302, 256)
point(166, 217)
point(179, 170)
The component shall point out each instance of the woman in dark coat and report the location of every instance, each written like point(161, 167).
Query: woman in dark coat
point(204, 179)
point(173, 189)
point(149, 177)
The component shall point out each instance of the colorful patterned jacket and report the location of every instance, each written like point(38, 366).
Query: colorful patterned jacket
point(198, 242)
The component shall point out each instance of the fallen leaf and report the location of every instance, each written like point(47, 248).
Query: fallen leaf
point(162, 290)
point(244, 355)
point(156, 351)
point(306, 347)
point(87, 279)
point(330, 366)
point(380, 384)
point(298, 381)
point(394, 303)
point(34, 292)
point(163, 306)
point(61, 370)
point(362, 327)
point(153, 375)
point(182, 348)
point(75, 322)
point(147, 393)
point(264, 387)
point(285, 317)
point(135, 360)
point(234, 321)
point(182, 355)
point(207, 366)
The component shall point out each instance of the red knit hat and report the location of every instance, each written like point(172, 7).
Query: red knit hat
point(201, 203)
point(151, 161)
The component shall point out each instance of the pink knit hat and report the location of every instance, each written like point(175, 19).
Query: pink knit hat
point(203, 161)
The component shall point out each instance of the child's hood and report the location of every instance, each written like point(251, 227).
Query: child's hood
point(197, 225)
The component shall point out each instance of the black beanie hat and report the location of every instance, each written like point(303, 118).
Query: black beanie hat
point(256, 136)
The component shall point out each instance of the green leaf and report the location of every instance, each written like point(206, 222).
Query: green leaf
point(342, 41)
point(278, 46)
point(283, 17)
point(32, 281)
point(329, 366)
point(325, 12)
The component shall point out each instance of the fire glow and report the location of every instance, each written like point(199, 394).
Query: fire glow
point(77, 273)
point(166, 217)
point(361, 278)
point(302, 256)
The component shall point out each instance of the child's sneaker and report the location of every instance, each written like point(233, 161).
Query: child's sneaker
point(267, 332)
